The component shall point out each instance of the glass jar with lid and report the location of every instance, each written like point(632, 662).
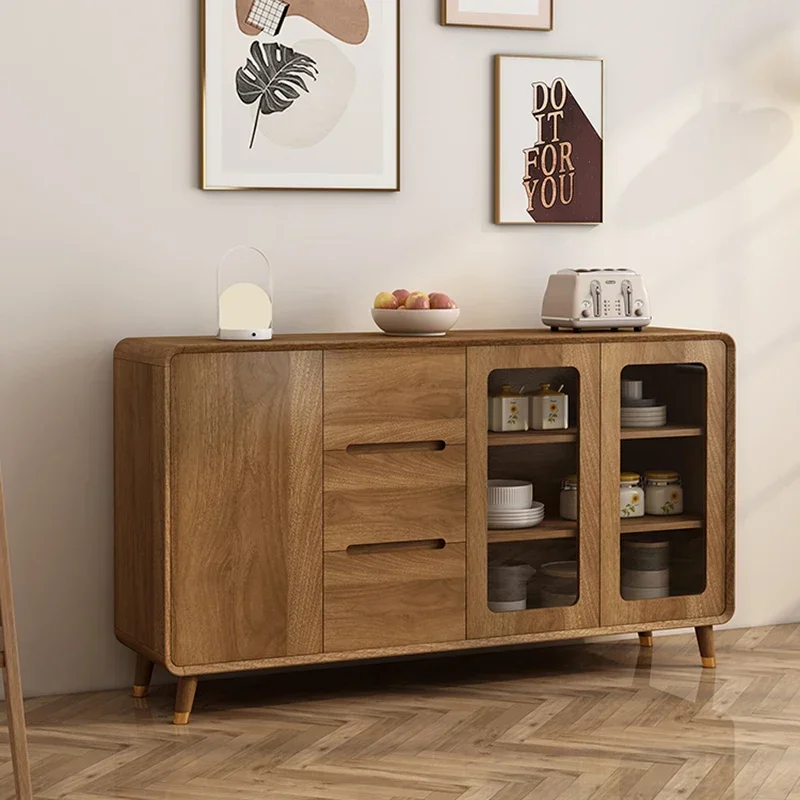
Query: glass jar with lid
point(549, 409)
point(663, 493)
point(569, 498)
point(508, 410)
point(631, 495)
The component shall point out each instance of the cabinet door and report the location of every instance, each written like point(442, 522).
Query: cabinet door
point(669, 564)
point(246, 494)
point(542, 578)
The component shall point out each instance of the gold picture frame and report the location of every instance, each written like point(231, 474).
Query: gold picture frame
point(491, 18)
point(499, 217)
point(206, 185)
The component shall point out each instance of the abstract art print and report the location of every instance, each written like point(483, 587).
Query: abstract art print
point(532, 15)
point(548, 140)
point(302, 94)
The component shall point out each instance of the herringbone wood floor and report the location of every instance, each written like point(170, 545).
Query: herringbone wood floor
point(581, 721)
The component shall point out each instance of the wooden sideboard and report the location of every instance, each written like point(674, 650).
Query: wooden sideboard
point(322, 498)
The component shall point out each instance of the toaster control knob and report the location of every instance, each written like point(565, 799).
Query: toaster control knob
point(639, 312)
point(586, 313)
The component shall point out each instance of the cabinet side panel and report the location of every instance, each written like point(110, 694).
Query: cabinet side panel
point(140, 500)
point(246, 545)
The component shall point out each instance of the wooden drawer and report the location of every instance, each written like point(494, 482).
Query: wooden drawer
point(385, 596)
point(399, 494)
point(407, 396)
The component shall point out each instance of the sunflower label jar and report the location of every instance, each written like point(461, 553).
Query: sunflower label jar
point(631, 495)
point(569, 498)
point(508, 411)
point(664, 493)
point(549, 409)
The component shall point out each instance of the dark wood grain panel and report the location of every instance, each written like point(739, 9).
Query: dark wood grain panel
point(393, 496)
point(141, 489)
point(393, 599)
point(406, 396)
point(247, 506)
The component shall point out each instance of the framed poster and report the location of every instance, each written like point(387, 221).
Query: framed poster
point(532, 15)
point(548, 140)
point(301, 94)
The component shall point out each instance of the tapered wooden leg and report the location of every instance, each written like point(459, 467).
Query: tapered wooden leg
point(705, 642)
point(144, 674)
point(646, 638)
point(184, 700)
point(15, 712)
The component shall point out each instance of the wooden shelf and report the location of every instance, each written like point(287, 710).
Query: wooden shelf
point(665, 432)
point(532, 437)
point(682, 522)
point(549, 529)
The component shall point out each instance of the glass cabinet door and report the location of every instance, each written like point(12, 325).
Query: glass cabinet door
point(663, 527)
point(533, 496)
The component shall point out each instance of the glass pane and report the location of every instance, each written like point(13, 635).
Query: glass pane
point(662, 481)
point(533, 536)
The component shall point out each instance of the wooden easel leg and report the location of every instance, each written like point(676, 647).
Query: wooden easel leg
point(15, 712)
point(646, 638)
point(705, 642)
point(144, 674)
point(184, 700)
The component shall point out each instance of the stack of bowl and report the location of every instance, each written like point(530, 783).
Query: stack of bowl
point(559, 584)
point(508, 585)
point(645, 569)
point(511, 505)
point(638, 411)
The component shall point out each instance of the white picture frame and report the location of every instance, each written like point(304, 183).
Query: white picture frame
point(298, 95)
point(531, 15)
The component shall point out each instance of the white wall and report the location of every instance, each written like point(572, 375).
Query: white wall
point(103, 234)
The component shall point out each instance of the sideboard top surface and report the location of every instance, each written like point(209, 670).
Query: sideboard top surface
point(159, 351)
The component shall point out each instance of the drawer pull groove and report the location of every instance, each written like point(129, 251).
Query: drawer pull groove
point(388, 447)
point(390, 547)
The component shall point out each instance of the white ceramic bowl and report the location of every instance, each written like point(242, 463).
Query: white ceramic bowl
point(415, 322)
point(510, 494)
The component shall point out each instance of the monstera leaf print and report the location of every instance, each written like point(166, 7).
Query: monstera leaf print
point(272, 78)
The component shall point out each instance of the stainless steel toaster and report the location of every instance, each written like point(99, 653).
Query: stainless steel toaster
point(583, 299)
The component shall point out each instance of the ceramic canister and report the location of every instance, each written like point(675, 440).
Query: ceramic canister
point(568, 505)
point(664, 493)
point(549, 409)
point(631, 495)
point(508, 411)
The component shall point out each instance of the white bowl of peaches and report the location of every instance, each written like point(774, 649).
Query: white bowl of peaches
point(404, 313)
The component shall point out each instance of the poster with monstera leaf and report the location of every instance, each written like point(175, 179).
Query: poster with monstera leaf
point(301, 94)
point(548, 140)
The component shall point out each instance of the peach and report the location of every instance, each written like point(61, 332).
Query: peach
point(417, 301)
point(441, 300)
point(385, 300)
point(401, 295)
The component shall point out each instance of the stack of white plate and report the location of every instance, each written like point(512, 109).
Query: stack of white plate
point(511, 505)
point(640, 416)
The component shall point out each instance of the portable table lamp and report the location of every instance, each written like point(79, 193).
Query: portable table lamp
point(245, 295)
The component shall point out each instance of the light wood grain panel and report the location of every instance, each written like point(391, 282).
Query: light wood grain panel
point(141, 494)
point(247, 507)
point(585, 358)
point(9, 663)
point(711, 354)
point(395, 598)
point(394, 496)
point(407, 396)
point(160, 350)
